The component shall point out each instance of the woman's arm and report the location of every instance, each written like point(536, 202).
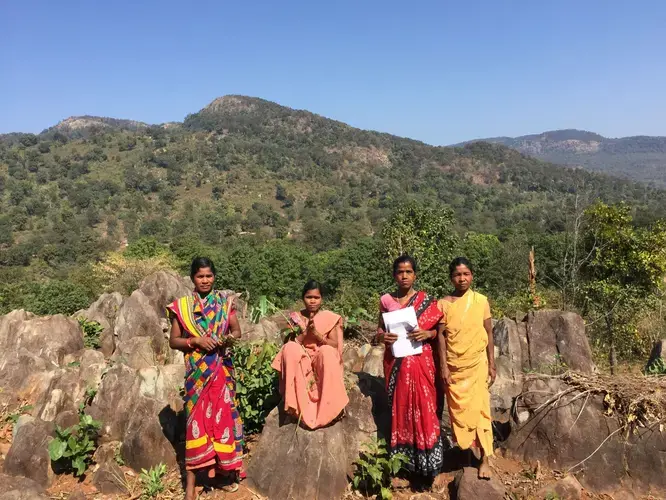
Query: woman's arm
point(441, 346)
point(332, 337)
point(176, 340)
point(382, 336)
point(234, 326)
point(490, 349)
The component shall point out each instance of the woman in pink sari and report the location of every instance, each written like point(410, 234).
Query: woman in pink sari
point(310, 366)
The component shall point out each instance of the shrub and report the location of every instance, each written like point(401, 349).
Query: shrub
point(72, 448)
point(91, 332)
point(58, 297)
point(152, 481)
point(256, 382)
point(374, 469)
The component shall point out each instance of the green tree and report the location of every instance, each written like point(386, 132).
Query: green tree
point(426, 233)
point(624, 274)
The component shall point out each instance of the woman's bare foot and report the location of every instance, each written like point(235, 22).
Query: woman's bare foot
point(485, 471)
point(189, 485)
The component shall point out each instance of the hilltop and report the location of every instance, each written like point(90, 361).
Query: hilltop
point(639, 158)
point(244, 174)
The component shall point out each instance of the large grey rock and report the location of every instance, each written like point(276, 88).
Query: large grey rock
point(163, 287)
point(104, 310)
point(468, 486)
point(139, 318)
point(20, 488)
point(373, 364)
point(556, 337)
point(143, 410)
point(298, 463)
point(49, 337)
point(266, 329)
point(568, 487)
point(137, 352)
point(108, 477)
point(24, 376)
point(569, 430)
point(508, 362)
point(29, 455)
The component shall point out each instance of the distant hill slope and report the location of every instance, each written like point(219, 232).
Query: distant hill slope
point(244, 166)
point(640, 158)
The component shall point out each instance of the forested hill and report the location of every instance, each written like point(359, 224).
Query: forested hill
point(640, 158)
point(247, 169)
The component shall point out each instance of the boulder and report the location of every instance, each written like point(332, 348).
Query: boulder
point(293, 462)
point(163, 287)
point(568, 487)
point(143, 410)
point(266, 329)
point(658, 353)
point(468, 486)
point(29, 455)
point(568, 431)
point(558, 337)
point(373, 364)
point(108, 477)
point(508, 362)
point(137, 352)
point(49, 337)
point(104, 310)
point(352, 359)
point(20, 488)
point(138, 318)
point(24, 376)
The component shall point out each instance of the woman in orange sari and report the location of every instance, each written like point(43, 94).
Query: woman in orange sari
point(467, 362)
point(203, 325)
point(310, 366)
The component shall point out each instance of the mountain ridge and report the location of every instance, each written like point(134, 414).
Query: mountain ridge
point(640, 158)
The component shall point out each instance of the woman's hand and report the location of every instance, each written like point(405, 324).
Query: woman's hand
point(204, 343)
point(387, 338)
point(492, 374)
point(420, 335)
point(446, 376)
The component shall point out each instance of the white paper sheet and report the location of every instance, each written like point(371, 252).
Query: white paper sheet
point(401, 322)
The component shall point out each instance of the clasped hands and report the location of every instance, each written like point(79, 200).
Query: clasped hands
point(209, 344)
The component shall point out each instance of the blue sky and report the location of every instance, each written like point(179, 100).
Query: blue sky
point(439, 71)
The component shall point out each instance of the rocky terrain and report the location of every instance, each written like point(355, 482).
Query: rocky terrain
point(555, 436)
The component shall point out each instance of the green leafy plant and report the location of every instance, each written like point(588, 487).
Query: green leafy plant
point(91, 333)
point(256, 382)
point(12, 417)
point(264, 308)
point(152, 480)
point(118, 457)
point(72, 448)
point(374, 469)
point(87, 399)
point(657, 367)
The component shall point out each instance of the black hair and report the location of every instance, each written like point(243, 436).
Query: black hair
point(312, 285)
point(459, 261)
point(201, 263)
point(404, 259)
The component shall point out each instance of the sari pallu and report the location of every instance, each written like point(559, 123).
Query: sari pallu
point(412, 394)
point(214, 430)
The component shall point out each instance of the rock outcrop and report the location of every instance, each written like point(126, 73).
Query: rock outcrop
point(563, 429)
point(468, 486)
point(292, 462)
point(21, 488)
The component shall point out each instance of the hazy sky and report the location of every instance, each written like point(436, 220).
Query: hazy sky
point(439, 71)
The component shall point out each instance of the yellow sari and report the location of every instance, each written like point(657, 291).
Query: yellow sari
point(468, 397)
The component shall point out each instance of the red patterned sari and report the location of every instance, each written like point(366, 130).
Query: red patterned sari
point(412, 393)
point(214, 432)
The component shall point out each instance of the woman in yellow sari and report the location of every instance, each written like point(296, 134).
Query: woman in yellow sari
point(468, 363)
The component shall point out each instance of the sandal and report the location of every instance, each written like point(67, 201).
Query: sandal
point(230, 488)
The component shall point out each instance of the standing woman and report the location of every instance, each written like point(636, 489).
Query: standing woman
point(203, 325)
point(410, 381)
point(310, 366)
point(467, 361)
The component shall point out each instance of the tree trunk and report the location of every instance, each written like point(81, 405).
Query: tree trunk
point(612, 355)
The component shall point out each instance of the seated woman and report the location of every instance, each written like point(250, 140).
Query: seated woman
point(310, 366)
point(410, 380)
point(468, 363)
point(203, 325)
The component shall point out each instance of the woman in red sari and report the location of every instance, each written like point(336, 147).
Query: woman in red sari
point(204, 324)
point(410, 380)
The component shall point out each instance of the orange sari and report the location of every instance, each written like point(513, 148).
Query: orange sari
point(311, 375)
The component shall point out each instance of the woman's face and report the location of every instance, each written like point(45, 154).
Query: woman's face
point(203, 280)
point(405, 276)
point(312, 301)
point(462, 278)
